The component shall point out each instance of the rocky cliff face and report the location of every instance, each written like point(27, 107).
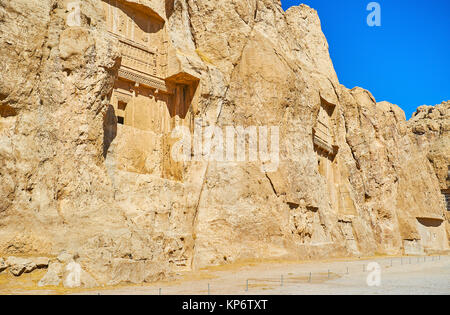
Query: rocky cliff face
point(430, 127)
point(431, 133)
point(354, 177)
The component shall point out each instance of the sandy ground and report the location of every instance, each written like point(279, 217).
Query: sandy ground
point(406, 275)
point(399, 275)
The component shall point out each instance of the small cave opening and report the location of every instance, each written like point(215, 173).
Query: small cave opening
point(293, 205)
point(7, 111)
point(430, 222)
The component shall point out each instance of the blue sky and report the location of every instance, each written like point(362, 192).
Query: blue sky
point(405, 61)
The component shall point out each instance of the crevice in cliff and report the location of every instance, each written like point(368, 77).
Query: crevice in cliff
point(191, 27)
point(271, 184)
point(224, 97)
point(222, 100)
point(45, 51)
point(334, 88)
point(358, 166)
point(197, 206)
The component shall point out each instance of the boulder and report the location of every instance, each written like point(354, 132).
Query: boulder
point(41, 262)
point(18, 266)
point(65, 258)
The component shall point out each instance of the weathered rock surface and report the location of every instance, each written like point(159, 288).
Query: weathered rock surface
point(430, 126)
point(65, 258)
point(353, 178)
point(87, 281)
point(3, 265)
point(18, 266)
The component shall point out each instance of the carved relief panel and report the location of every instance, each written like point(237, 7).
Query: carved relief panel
point(323, 132)
point(142, 38)
point(323, 127)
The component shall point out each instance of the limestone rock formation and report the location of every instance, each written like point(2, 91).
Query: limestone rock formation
point(41, 262)
point(430, 126)
point(88, 104)
point(18, 266)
